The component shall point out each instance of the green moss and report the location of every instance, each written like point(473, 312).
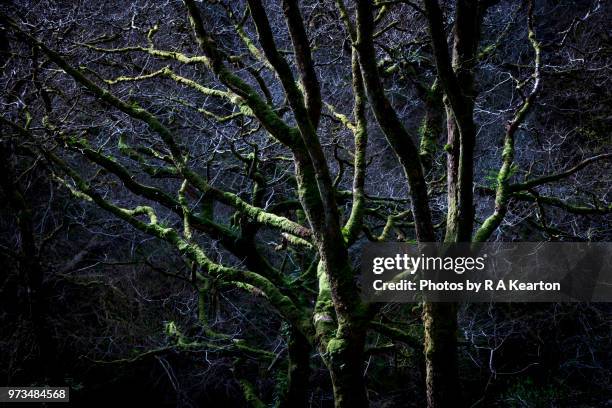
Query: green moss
point(486, 51)
point(250, 394)
point(171, 329)
point(335, 346)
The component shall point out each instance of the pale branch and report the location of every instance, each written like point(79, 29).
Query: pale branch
point(151, 170)
point(562, 204)
point(503, 190)
point(246, 40)
point(580, 209)
point(554, 233)
point(169, 73)
point(491, 48)
point(218, 118)
point(297, 241)
point(396, 334)
point(238, 348)
point(162, 54)
point(526, 185)
point(185, 208)
point(342, 118)
point(137, 78)
point(360, 134)
point(386, 3)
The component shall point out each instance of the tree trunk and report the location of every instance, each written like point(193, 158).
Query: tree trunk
point(431, 126)
point(440, 320)
point(38, 361)
point(457, 79)
point(345, 361)
point(298, 371)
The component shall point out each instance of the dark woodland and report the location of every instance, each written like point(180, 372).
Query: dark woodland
point(186, 188)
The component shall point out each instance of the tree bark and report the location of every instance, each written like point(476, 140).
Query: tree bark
point(345, 358)
point(298, 371)
point(457, 80)
point(442, 387)
point(396, 134)
point(33, 303)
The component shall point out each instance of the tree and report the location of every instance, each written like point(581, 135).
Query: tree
point(230, 131)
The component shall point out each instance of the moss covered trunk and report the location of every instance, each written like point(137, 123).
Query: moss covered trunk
point(345, 356)
point(456, 74)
